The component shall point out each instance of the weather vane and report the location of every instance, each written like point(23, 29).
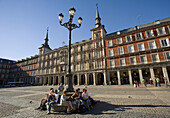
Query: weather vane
point(96, 4)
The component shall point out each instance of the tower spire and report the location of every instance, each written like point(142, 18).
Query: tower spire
point(46, 38)
point(47, 34)
point(98, 24)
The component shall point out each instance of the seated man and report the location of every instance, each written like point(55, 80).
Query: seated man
point(85, 97)
point(52, 99)
point(76, 98)
point(91, 99)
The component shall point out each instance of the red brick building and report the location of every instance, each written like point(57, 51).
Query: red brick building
point(137, 53)
point(5, 70)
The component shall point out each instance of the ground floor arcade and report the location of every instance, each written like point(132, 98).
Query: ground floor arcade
point(115, 76)
point(81, 78)
point(128, 75)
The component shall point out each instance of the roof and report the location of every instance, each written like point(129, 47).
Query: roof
point(7, 61)
point(157, 22)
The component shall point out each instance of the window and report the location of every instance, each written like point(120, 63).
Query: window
point(89, 46)
point(119, 40)
point(97, 44)
point(121, 50)
point(149, 33)
point(2, 76)
point(168, 27)
point(164, 42)
point(81, 48)
point(143, 59)
point(82, 56)
point(46, 57)
point(98, 54)
point(141, 47)
point(167, 56)
point(112, 63)
point(111, 52)
point(97, 35)
point(132, 60)
point(130, 48)
point(152, 45)
point(161, 30)
point(139, 36)
point(155, 57)
point(109, 43)
point(122, 62)
point(128, 38)
point(90, 56)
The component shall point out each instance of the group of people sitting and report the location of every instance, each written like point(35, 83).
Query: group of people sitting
point(81, 99)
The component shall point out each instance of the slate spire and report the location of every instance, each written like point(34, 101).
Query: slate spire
point(98, 24)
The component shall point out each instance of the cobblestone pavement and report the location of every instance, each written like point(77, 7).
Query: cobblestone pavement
point(113, 101)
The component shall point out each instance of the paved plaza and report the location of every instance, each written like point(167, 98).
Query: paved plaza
point(113, 102)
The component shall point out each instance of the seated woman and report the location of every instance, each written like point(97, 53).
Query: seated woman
point(76, 98)
point(64, 101)
point(85, 97)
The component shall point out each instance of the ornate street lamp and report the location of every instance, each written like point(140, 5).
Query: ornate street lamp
point(70, 26)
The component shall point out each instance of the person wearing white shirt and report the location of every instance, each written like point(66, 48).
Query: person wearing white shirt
point(85, 97)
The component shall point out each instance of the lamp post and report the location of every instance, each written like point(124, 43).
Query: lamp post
point(70, 26)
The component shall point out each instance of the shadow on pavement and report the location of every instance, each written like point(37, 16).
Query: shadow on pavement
point(102, 108)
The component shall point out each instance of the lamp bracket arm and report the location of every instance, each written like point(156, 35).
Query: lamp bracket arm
point(64, 24)
point(74, 26)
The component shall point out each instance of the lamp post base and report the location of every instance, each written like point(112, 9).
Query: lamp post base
point(70, 84)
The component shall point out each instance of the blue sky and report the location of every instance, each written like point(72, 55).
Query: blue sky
point(23, 23)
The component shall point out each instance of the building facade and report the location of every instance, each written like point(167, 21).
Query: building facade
point(137, 53)
point(88, 64)
point(25, 70)
point(5, 70)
